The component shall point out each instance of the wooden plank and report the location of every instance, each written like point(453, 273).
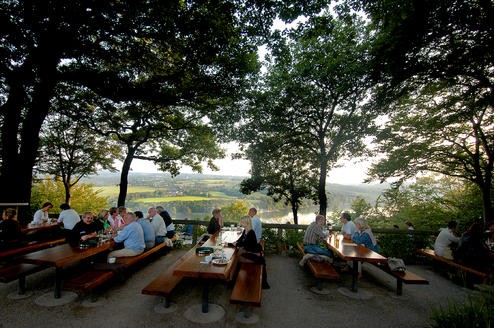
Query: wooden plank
point(163, 284)
point(407, 276)
point(247, 288)
point(321, 270)
point(30, 248)
point(13, 272)
point(88, 280)
point(131, 260)
point(431, 254)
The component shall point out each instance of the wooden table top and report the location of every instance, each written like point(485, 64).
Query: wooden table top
point(190, 264)
point(350, 251)
point(37, 227)
point(63, 255)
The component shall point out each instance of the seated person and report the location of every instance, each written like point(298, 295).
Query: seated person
point(249, 249)
point(472, 251)
point(68, 217)
point(41, 215)
point(149, 232)
point(364, 236)
point(446, 240)
point(10, 229)
point(314, 235)
point(103, 217)
point(158, 225)
point(168, 221)
point(216, 222)
point(348, 227)
point(132, 236)
point(84, 230)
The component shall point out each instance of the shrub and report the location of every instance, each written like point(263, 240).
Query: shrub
point(403, 246)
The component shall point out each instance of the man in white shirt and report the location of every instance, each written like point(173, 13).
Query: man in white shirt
point(256, 222)
point(68, 217)
point(348, 227)
point(445, 239)
point(158, 224)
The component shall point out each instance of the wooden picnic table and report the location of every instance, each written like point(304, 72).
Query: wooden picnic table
point(192, 265)
point(62, 256)
point(39, 227)
point(347, 250)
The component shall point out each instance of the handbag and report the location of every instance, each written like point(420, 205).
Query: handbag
point(396, 264)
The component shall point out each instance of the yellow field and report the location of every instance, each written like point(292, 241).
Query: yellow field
point(114, 190)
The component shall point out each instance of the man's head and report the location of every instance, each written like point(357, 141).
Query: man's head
point(151, 212)
point(122, 211)
point(129, 217)
point(320, 219)
point(252, 212)
point(452, 224)
point(160, 209)
point(87, 217)
point(345, 217)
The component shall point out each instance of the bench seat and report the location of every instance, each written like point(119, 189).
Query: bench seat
point(321, 270)
point(31, 247)
point(431, 254)
point(247, 287)
point(163, 285)
point(19, 271)
point(132, 260)
point(406, 277)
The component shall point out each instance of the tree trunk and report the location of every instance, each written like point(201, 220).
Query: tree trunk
point(487, 193)
point(295, 208)
point(322, 195)
point(67, 192)
point(124, 177)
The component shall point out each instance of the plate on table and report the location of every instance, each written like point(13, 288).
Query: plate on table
point(204, 250)
point(220, 261)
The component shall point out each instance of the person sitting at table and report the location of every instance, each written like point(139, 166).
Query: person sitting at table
point(315, 235)
point(158, 225)
point(10, 229)
point(364, 236)
point(446, 240)
point(103, 216)
point(472, 250)
point(168, 221)
point(250, 250)
point(132, 235)
point(68, 217)
point(41, 215)
point(84, 230)
point(148, 230)
point(118, 220)
point(348, 227)
point(216, 222)
point(113, 212)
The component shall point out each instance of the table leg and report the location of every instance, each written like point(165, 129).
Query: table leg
point(204, 304)
point(355, 273)
point(58, 282)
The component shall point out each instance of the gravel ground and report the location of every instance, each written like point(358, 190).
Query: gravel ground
point(289, 302)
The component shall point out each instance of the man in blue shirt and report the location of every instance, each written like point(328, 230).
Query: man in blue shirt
point(149, 231)
point(132, 236)
point(256, 222)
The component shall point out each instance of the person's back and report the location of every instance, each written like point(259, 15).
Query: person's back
point(256, 222)
point(445, 240)
point(10, 229)
point(148, 230)
point(68, 217)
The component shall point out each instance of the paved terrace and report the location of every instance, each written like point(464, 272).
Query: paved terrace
point(289, 302)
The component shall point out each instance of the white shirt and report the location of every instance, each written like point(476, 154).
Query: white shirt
point(40, 217)
point(443, 241)
point(256, 222)
point(69, 218)
point(348, 228)
point(159, 225)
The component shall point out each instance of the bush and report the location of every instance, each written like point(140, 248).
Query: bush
point(477, 311)
point(403, 246)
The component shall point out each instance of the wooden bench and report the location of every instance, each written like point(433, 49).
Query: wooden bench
point(91, 278)
point(248, 286)
point(402, 277)
point(163, 285)
point(429, 253)
point(320, 270)
point(19, 271)
point(31, 247)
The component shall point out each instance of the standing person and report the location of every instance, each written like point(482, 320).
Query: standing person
point(348, 227)
point(68, 217)
point(445, 240)
point(255, 219)
point(10, 229)
point(148, 230)
point(216, 222)
point(41, 215)
point(84, 230)
point(314, 235)
point(158, 225)
point(364, 236)
point(168, 221)
point(132, 236)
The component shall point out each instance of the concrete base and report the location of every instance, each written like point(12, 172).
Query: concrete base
point(47, 299)
point(252, 319)
point(160, 308)
point(359, 295)
point(195, 313)
point(89, 303)
point(17, 296)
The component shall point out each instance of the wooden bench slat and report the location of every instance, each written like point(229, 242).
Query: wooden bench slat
point(30, 247)
point(247, 288)
point(131, 260)
point(321, 270)
point(431, 254)
point(88, 280)
point(163, 284)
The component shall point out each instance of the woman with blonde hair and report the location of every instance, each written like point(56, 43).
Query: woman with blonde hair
point(216, 222)
point(364, 235)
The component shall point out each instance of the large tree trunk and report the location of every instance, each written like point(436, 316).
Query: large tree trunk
point(487, 192)
point(124, 177)
point(295, 209)
point(322, 194)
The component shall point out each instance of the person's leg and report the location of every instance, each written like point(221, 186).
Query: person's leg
point(124, 252)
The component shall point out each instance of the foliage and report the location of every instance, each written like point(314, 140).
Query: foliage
point(360, 206)
point(434, 63)
point(235, 211)
point(403, 246)
point(429, 204)
point(310, 102)
point(85, 197)
point(477, 311)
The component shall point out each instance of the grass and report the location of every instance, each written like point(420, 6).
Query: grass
point(175, 199)
point(114, 190)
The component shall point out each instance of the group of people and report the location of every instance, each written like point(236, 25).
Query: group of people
point(249, 243)
point(471, 248)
